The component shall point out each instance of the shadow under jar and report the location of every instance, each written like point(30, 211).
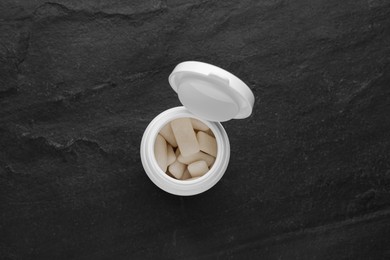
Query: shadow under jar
point(210, 95)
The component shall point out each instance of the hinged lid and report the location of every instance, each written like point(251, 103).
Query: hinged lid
point(211, 92)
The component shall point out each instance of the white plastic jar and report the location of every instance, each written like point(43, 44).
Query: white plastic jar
point(211, 95)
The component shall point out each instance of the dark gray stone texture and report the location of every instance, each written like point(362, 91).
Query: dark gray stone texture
point(309, 176)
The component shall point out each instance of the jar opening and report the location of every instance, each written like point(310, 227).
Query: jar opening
point(185, 149)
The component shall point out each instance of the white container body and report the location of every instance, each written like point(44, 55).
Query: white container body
point(183, 187)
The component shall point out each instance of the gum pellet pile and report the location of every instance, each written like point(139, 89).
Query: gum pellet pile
point(185, 149)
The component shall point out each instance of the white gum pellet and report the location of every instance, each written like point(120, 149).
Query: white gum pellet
point(198, 125)
point(160, 152)
point(186, 175)
point(167, 133)
point(198, 168)
point(177, 169)
point(196, 157)
point(171, 157)
point(185, 136)
point(207, 143)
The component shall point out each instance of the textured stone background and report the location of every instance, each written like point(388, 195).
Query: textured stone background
point(309, 175)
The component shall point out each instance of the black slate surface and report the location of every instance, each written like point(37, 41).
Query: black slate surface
point(309, 176)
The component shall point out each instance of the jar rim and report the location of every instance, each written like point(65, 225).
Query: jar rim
point(183, 187)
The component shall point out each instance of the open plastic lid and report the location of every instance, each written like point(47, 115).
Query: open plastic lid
point(210, 92)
